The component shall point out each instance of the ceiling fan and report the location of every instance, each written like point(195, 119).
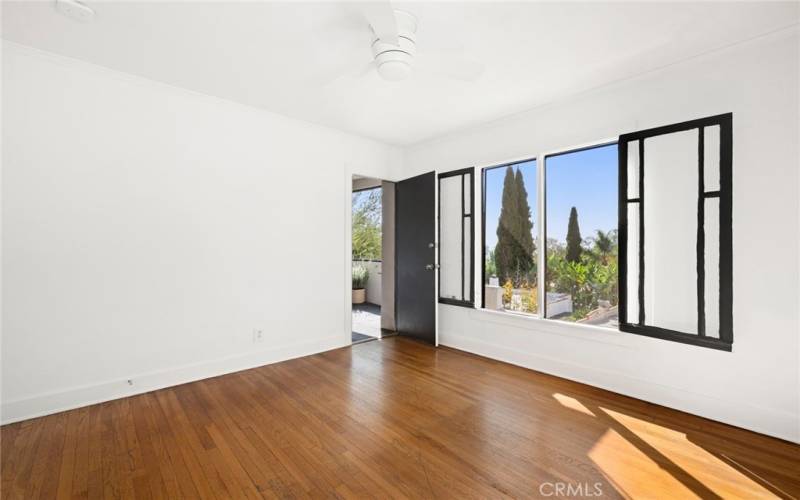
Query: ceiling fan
point(394, 48)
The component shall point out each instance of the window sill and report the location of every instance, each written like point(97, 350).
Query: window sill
point(456, 302)
point(553, 327)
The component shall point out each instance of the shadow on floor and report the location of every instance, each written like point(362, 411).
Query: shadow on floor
point(687, 454)
point(357, 338)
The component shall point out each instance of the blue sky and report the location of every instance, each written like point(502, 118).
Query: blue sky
point(586, 180)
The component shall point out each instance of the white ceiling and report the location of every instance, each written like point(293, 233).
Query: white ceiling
point(283, 56)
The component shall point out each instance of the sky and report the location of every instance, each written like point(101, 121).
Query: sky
point(361, 197)
point(585, 179)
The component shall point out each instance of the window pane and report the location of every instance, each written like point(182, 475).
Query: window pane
point(581, 273)
point(711, 158)
point(632, 285)
point(510, 238)
point(633, 169)
point(467, 194)
point(711, 228)
point(670, 238)
point(450, 237)
point(467, 256)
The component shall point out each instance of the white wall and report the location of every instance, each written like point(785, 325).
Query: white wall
point(670, 221)
point(374, 286)
point(149, 230)
point(755, 386)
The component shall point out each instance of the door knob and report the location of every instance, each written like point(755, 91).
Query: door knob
point(431, 245)
point(429, 267)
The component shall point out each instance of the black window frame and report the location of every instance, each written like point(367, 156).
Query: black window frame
point(483, 222)
point(725, 195)
point(471, 215)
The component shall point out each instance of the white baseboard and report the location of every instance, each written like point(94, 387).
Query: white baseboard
point(783, 425)
point(77, 397)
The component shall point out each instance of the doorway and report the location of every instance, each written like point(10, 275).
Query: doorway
point(393, 269)
point(372, 235)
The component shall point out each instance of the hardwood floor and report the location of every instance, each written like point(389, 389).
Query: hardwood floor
point(390, 418)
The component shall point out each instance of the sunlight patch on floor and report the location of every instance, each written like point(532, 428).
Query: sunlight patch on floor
point(572, 403)
point(633, 470)
point(703, 466)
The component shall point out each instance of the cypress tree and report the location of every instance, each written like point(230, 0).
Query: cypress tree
point(524, 231)
point(573, 237)
point(514, 251)
point(504, 251)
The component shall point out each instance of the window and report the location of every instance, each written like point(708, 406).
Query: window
point(675, 248)
point(581, 234)
point(510, 246)
point(634, 235)
point(456, 238)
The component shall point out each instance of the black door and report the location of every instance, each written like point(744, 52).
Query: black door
point(415, 270)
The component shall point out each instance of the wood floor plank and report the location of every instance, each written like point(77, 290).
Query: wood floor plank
point(20, 480)
point(94, 483)
point(11, 453)
point(69, 459)
point(174, 469)
point(388, 419)
point(208, 482)
point(152, 460)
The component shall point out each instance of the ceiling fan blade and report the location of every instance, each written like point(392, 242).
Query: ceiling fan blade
point(452, 67)
point(363, 70)
point(380, 15)
point(352, 72)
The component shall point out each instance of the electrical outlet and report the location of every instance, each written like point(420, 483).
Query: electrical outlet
point(258, 336)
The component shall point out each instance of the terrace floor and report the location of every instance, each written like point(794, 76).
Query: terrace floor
point(366, 322)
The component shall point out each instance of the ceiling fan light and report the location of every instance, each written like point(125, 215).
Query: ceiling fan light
point(394, 59)
point(394, 71)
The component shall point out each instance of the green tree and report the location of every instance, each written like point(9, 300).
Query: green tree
point(603, 245)
point(513, 254)
point(573, 237)
point(367, 225)
point(526, 225)
point(504, 250)
point(491, 266)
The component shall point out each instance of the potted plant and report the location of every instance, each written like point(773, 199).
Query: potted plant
point(360, 277)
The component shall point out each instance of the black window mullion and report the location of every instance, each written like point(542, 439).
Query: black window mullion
point(483, 237)
point(461, 183)
point(641, 231)
point(622, 230)
point(726, 229)
point(701, 235)
point(472, 236)
point(439, 234)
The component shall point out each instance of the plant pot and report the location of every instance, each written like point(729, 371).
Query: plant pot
point(359, 296)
